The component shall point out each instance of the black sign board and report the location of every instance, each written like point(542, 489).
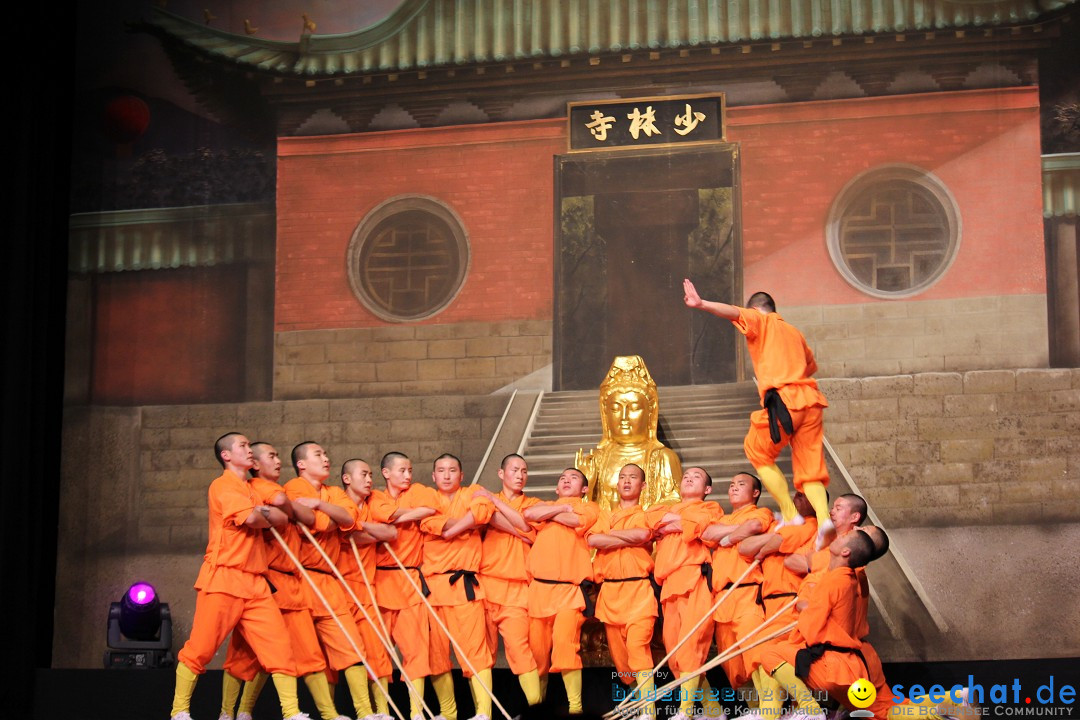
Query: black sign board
point(646, 122)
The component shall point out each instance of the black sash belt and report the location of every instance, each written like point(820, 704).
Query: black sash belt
point(587, 586)
point(423, 583)
point(470, 581)
point(774, 596)
point(652, 581)
point(706, 572)
point(810, 654)
point(759, 600)
point(778, 415)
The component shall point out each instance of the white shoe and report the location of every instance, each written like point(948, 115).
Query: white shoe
point(243, 716)
point(299, 716)
point(183, 715)
point(680, 716)
point(225, 716)
point(823, 531)
point(480, 716)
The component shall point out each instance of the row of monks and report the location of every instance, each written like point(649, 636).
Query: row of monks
point(349, 583)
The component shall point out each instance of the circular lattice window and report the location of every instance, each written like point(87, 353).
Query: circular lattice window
point(408, 258)
point(893, 231)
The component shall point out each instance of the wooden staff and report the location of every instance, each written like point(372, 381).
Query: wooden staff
point(385, 641)
point(697, 625)
point(329, 609)
point(371, 594)
point(461, 653)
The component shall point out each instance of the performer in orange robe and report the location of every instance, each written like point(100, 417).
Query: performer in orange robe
point(504, 577)
point(560, 571)
point(403, 505)
point(684, 571)
point(791, 403)
point(233, 592)
point(334, 513)
point(623, 563)
point(357, 479)
point(452, 547)
point(743, 610)
point(823, 652)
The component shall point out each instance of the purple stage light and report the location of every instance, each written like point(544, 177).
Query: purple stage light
point(141, 593)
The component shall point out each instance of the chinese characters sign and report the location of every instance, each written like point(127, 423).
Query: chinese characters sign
point(646, 122)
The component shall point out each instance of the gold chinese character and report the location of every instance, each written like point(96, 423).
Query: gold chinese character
point(600, 125)
point(643, 123)
point(688, 120)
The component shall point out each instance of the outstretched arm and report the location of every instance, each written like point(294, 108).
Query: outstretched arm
point(693, 300)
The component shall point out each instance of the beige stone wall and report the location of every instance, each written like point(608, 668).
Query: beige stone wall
point(463, 358)
point(980, 447)
point(133, 496)
point(912, 336)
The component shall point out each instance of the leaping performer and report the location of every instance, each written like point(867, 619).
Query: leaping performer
point(791, 404)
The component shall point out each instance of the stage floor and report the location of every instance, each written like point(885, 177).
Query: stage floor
point(147, 694)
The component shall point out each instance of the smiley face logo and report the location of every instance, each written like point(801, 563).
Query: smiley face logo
point(862, 693)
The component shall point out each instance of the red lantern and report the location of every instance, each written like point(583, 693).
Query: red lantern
point(126, 119)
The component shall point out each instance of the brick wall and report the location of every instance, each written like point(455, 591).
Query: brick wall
point(496, 178)
point(980, 447)
point(1004, 331)
point(464, 358)
point(982, 144)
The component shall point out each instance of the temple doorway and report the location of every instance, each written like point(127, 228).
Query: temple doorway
point(629, 226)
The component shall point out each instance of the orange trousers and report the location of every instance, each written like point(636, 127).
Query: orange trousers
point(374, 650)
point(410, 629)
point(833, 672)
point(807, 449)
point(469, 626)
point(629, 646)
point(735, 619)
point(681, 612)
point(240, 658)
point(257, 619)
point(512, 623)
point(556, 641)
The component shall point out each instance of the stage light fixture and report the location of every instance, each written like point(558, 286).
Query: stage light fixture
point(139, 630)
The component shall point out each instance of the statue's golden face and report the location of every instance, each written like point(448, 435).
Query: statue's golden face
point(628, 417)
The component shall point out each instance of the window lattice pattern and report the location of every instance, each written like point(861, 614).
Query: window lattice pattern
point(411, 265)
point(894, 236)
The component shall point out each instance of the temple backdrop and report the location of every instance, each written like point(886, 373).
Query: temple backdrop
point(356, 234)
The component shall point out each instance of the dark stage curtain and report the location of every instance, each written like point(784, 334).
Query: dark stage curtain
point(38, 75)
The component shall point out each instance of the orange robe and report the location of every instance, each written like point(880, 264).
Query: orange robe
point(403, 611)
point(505, 580)
point(233, 592)
point(451, 568)
point(626, 604)
point(293, 598)
point(340, 653)
point(779, 585)
point(784, 362)
point(743, 610)
point(374, 649)
point(558, 564)
point(829, 618)
point(681, 561)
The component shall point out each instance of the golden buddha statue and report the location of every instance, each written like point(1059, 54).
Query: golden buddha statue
point(630, 411)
